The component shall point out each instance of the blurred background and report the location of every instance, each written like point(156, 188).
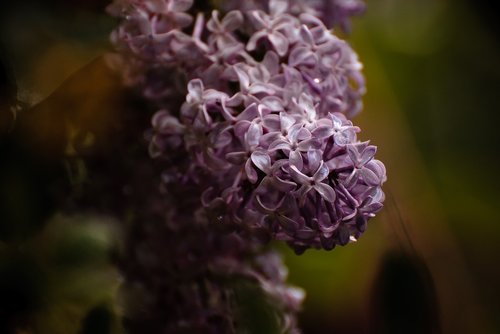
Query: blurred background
point(427, 264)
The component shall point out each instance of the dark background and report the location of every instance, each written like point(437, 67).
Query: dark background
point(428, 263)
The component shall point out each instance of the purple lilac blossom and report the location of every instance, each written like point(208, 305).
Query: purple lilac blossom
point(255, 134)
point(181, 272)
point(185, 278)
point(266, 116)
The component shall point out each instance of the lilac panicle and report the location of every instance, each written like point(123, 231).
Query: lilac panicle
point(254, 131)
point(181, 275)
point(270, 92)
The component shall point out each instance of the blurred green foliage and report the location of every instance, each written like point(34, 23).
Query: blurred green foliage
point(51, 282)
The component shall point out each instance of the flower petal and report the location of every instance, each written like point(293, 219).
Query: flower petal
point(242, 77)
point(195, 89)
point(309, 144)
point(322, 132)
point(252, 42)
point(306, 35)
point(180, 5)
point(283, 185)
point(369, 177)
point(279, 42)
point(321, 173)
point(280, 144)
point(251, 173)
point(293, 132)
point(367, 154)
point(273, 102)
point(314, 159)
point(241, 128)
point(301, 55)
point(272, 122)
point(353, 153)
point(262, 161)
point(271, 62)
point(296, 159)
point(352, 178)
point(253, 135)
point(223, 139)
point(265, 208)
point(286, 121)
point(298, 176)
point(378, 168)
point(277, 7)
point(250, 113)
point(268, 138)
point(232, 20)
point(325, 191)
point(259, 88)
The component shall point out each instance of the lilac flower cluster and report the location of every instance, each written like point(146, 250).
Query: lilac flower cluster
point(266, 118)
point(255, 136)
point(186, 279)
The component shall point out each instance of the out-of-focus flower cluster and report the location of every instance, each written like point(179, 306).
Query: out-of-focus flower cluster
point(184, 276)
point(266, 119)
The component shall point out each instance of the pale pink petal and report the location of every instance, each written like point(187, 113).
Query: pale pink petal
point(180, 5)
point(273, 102)
point(272, 122)
point(271, 62)
point(325, 191)
point(253, 135)
point(301, 56)
point(195, 89)
point(322, 132)
point(279, 41)
point(262, 161)
point(251, 173)
point(277, 7)
point(314, 160)
point(296, 159)
point(286, 122)
point(298, 176)
point(367, 154)
point(232, 20)
point(279, 144)
point(369, 177)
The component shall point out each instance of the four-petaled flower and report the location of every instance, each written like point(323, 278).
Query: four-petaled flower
point(361, 155)
point(308, 183)
point(272, 27)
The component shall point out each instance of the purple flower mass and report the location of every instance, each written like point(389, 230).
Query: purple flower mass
point(265, 120)
point(255, 138)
